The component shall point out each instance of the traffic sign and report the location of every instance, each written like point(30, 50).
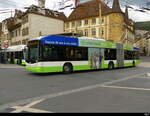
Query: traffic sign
point(6, 45)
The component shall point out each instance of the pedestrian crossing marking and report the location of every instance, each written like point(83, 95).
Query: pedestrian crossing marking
point(27, 108)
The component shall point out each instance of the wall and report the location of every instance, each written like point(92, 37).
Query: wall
point(41, 25)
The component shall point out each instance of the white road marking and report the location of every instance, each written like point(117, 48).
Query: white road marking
point(50, 96)
point(29, 109)
point(124, 79)
point(129, 88)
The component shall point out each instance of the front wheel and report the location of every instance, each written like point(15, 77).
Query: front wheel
point(133, 64)
point(67, 68)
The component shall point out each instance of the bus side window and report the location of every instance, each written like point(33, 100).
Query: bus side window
point(110, 54)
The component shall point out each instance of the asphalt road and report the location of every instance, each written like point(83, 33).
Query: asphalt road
point(120, 90)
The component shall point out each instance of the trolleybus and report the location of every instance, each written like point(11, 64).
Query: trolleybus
point(16, 54)
point(57, 53)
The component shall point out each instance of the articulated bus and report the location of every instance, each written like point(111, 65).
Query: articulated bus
point(56, 53)
point(16, 54)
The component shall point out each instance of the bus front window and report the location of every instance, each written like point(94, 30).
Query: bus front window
point(33, 52)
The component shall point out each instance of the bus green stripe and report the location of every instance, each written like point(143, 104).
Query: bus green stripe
point(128, 64)
point(44, 69)
point(75, 68)
point(82, 67)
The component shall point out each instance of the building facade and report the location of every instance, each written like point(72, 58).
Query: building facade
point(5, 37)
point(95, 19)
point(35, 22)
point(142, 41)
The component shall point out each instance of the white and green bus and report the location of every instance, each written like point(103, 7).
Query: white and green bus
point(16, 54)
point(56, 53)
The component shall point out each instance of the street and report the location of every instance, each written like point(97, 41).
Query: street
point(119, 90)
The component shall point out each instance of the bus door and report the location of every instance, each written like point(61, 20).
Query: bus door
point(120, 55)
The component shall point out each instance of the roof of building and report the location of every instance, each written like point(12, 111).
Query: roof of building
point(9, 21)
point(18, 13)
point(89, 9)
point(35, 10)
point(45, 12)
point(116, 7)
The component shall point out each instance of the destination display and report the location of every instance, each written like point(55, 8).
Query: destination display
point(60, 40)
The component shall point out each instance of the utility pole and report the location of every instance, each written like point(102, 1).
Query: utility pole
point(100, 16)
point(125, 24)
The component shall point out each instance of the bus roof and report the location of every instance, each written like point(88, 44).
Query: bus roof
point(79, 41)
point(16, 48)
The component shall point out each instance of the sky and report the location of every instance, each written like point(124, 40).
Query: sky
point(9, 5)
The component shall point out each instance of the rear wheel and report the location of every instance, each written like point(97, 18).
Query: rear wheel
point(67, 68)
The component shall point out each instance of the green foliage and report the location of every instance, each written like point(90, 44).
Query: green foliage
point(142, 26)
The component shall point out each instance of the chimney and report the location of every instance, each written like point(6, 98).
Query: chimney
point(41, 3)
point(77, 2)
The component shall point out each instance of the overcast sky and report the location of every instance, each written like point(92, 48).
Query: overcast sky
point(53, 4)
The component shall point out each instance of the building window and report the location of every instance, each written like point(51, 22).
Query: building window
point(40, 33)
point(19, 30)
point(86, 32)
point(67, 25)
point(25, 31)
point(93, 21)
point(102, 20)
point(94, 32)
point(12, 34)
point(86, 22)
point(79, 23)
point(102, 32)
point(73, 24)
point(25, 41)
point(16, 34)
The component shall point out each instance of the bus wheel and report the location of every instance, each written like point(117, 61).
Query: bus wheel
point(133, 64)
point(67, 68)
point(111, 66)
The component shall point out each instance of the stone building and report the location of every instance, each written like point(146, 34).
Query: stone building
point(5, 37)
point(35, 22)
point(147, 45)
point(142, 41)
point(95, 19)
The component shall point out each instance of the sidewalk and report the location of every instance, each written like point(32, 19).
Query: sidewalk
point(10, 66)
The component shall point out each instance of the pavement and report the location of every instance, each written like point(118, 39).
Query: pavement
point(10, 66)
point(120, 90)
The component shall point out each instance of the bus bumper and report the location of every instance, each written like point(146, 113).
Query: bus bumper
point(43, 69)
